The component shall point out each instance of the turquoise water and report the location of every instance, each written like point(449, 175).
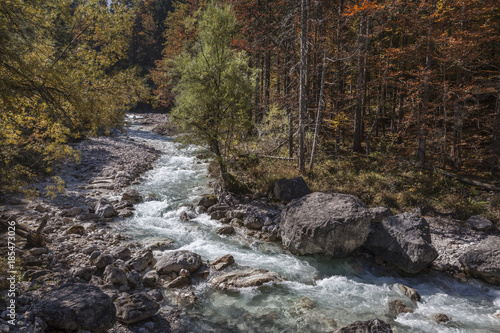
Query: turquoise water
point(342, 291)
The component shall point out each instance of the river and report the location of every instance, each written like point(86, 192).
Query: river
point(341, 290)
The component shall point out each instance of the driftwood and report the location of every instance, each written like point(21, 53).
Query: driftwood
point(279, 158)
point(33, 238)
point(489, 187)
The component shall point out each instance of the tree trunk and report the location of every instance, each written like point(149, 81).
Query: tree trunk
point(358, 121)
point(424, 110)
point(303, 83)
point(318, 116)
point(496, 139)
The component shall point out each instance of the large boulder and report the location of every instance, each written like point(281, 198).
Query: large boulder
point(403, 240)
point(479, 223)
point(105, 209)
point(175, 261)
point(369, 326)
point(330, 223)
point(78, 306)
point(245, 278)
point(134, 308)
point(289, 189)
point(483, 260)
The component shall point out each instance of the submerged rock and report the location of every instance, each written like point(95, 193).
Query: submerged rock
point(409, 292)
point(243, 279)
point(482, 260)
point(369, 326)
point(440, 318)
point(403, 240)
point(177, 260)
point(396, 307)
point(289, 189)
point(330, 223)
point(78, 307)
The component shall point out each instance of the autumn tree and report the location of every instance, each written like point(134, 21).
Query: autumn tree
point(59, 81)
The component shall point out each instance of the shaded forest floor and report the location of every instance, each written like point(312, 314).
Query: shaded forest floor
point(381, 181)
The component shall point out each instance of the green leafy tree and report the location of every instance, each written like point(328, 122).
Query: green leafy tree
point(214, 86)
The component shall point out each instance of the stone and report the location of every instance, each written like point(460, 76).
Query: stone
point(36, 251)
point(289, 189)
point(186, 216)
point(179, 282)
point(186, 298)
point(102, 260)
point(236, 214)
point(326, 223)
point(245, 278)
point(133, 308)
point(409, 292)
point(122, 253)
point(175, 261)
point(114, 275)
point(223, 262)
point(218, 215)
point(479, 223)
point(132, 195)
point(161, 245)
point(125, 213)
point(105, 209)
point(225, 230)
point(84, 273)
point(76, 229)
point(141, 260)
point(403, 240)
point(77, 306)
point(75, 211)
point(151, 279)
point(218, 207)
point(440, 318)
point(254, 222)
point(184, 272)
point(396, 307)
point(134, 280)
point(369, 326)
point(377, 214)
point(482, 260)
point(207, 200)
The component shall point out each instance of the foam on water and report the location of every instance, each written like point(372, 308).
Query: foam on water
point(342, 290)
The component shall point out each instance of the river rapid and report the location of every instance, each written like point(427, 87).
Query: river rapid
point(320, 294)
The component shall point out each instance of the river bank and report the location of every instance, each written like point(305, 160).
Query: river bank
point(83, 240)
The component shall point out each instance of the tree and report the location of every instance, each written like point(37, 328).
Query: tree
point(59, 81)
point(213, 92)
point(303, 84)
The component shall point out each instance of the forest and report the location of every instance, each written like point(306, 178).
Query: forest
point(397, 102)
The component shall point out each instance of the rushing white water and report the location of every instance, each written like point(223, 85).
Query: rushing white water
point(342, 290)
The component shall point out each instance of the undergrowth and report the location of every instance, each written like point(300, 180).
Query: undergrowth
point(379, 181)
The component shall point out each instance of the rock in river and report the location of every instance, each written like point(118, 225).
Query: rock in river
point(175, 261)
point(403, 240)
point(78, 306)
point(369, 326)
point(247, 278)
point(329, 223)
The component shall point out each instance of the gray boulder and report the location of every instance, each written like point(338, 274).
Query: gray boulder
point(105, 209)
point(114, 275)
point(175, 261)
point(134, 308)
point(254, 222)
point(141, 260)
point(289, 189)
point(482, 260)
point(479, 223)
point(78, 307)
point(151, 279)
point(329, 223)
point(403, 240)
point(369, 326)
point(223, 262)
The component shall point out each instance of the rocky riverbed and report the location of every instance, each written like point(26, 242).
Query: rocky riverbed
point(88, 276)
